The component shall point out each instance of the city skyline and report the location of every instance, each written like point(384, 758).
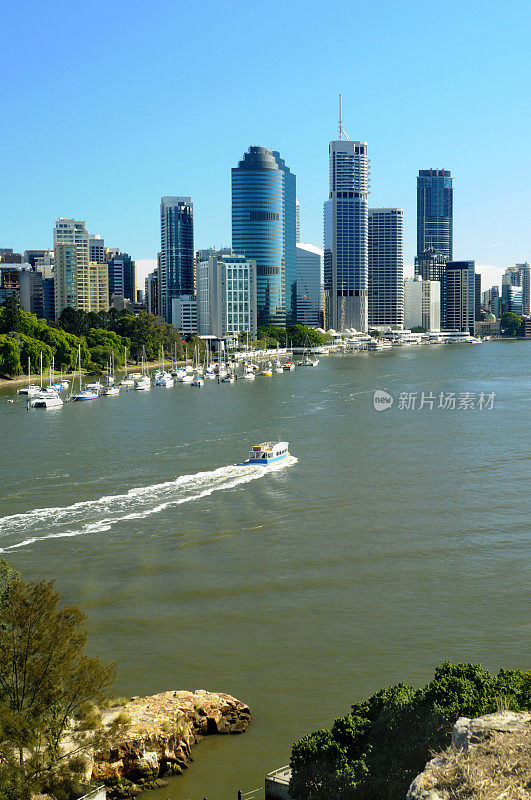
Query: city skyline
point(54, 156)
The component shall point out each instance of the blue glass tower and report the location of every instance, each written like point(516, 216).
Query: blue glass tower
point(435, 212)
point(264, 228)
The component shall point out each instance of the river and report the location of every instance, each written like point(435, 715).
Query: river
point(392, 541)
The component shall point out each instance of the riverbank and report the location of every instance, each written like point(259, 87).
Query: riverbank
point(22, 380)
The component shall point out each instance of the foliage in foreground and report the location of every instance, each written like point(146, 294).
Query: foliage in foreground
point(296, 335)
point(48, 691)
point(375, 751)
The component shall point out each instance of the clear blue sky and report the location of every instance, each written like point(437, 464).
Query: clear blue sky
point(109, 105)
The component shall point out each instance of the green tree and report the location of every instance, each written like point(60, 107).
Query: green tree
point(10, 364)
point(72, 320)
point(418, 329)
point(10, 315)
point(48, 687)
point(511, 324)
point(32, 348)
point(375, 751)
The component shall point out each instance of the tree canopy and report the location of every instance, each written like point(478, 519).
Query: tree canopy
point(48, 688)
point(511, 324)
point(297, 335)
point(375, 751)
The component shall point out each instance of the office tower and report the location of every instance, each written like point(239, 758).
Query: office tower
point(512, 298)
point(151, 293)
point(79, 282)
point(122, 276)
point(97, 249)
point(477, 296)
point(386, 267)
point(264, 229)
point(422, 304)
point(184, 314)
point(310, 285)
point(435, 212)
point(346, 237)
point(298, 219)
point(511, 277)
point(226, 295)
point(31, 292)
point(10, 273)
point(458, 294)
point(524, 272)
point(176, 273)
point(7, 256)
point(430, 265)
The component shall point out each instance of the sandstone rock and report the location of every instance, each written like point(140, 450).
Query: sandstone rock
point(162, 730)
point(467, 735)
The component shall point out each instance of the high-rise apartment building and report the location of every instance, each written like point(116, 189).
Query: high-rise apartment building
point(79, 282)
point(226, 295)
point(310, 285)
point(386, 267)
point(435, 212)
point(31, 292)
point(184, 314)
point(346, 257)
point(176, 273)
point(422, 304)
point(264, 229)
point(458, 296)
point(97, 249)
point(122, 276)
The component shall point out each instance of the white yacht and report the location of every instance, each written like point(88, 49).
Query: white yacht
point(47, 398)
point(164, 379)
point(143, 383)
point(110, 391)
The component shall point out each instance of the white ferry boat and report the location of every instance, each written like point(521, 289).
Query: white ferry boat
point(268, 453)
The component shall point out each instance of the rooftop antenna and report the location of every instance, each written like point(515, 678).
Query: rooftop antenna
point(342, 131)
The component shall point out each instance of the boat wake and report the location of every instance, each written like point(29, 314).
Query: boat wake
point(95, 516)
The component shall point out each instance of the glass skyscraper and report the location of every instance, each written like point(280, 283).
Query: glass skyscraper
point(346, 229)
point(264, 229)
point(176, 274)
point(435, 212)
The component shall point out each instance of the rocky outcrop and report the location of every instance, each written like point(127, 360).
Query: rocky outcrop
point(489, 745)
point(161, 732)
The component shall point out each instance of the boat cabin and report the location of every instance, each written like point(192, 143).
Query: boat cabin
point(267, 452)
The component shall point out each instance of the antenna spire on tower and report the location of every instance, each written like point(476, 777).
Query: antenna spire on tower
point(342, 131)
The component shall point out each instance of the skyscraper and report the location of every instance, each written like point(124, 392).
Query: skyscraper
point(298, 219)
point(176, 274)
point(346, 237)
point(520, 275)
point(422, 304)
point(226, 295)
point(435, 213)
point(386, 267)
point(310, 289)
point(122, 276)
point(264, 229)
point(458, 296)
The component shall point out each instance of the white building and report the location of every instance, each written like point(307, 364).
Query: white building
point(386, 267)
point(422, 304)
point(346, 237)
point(184, 314)
point(310, 285)
point(226, 295)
